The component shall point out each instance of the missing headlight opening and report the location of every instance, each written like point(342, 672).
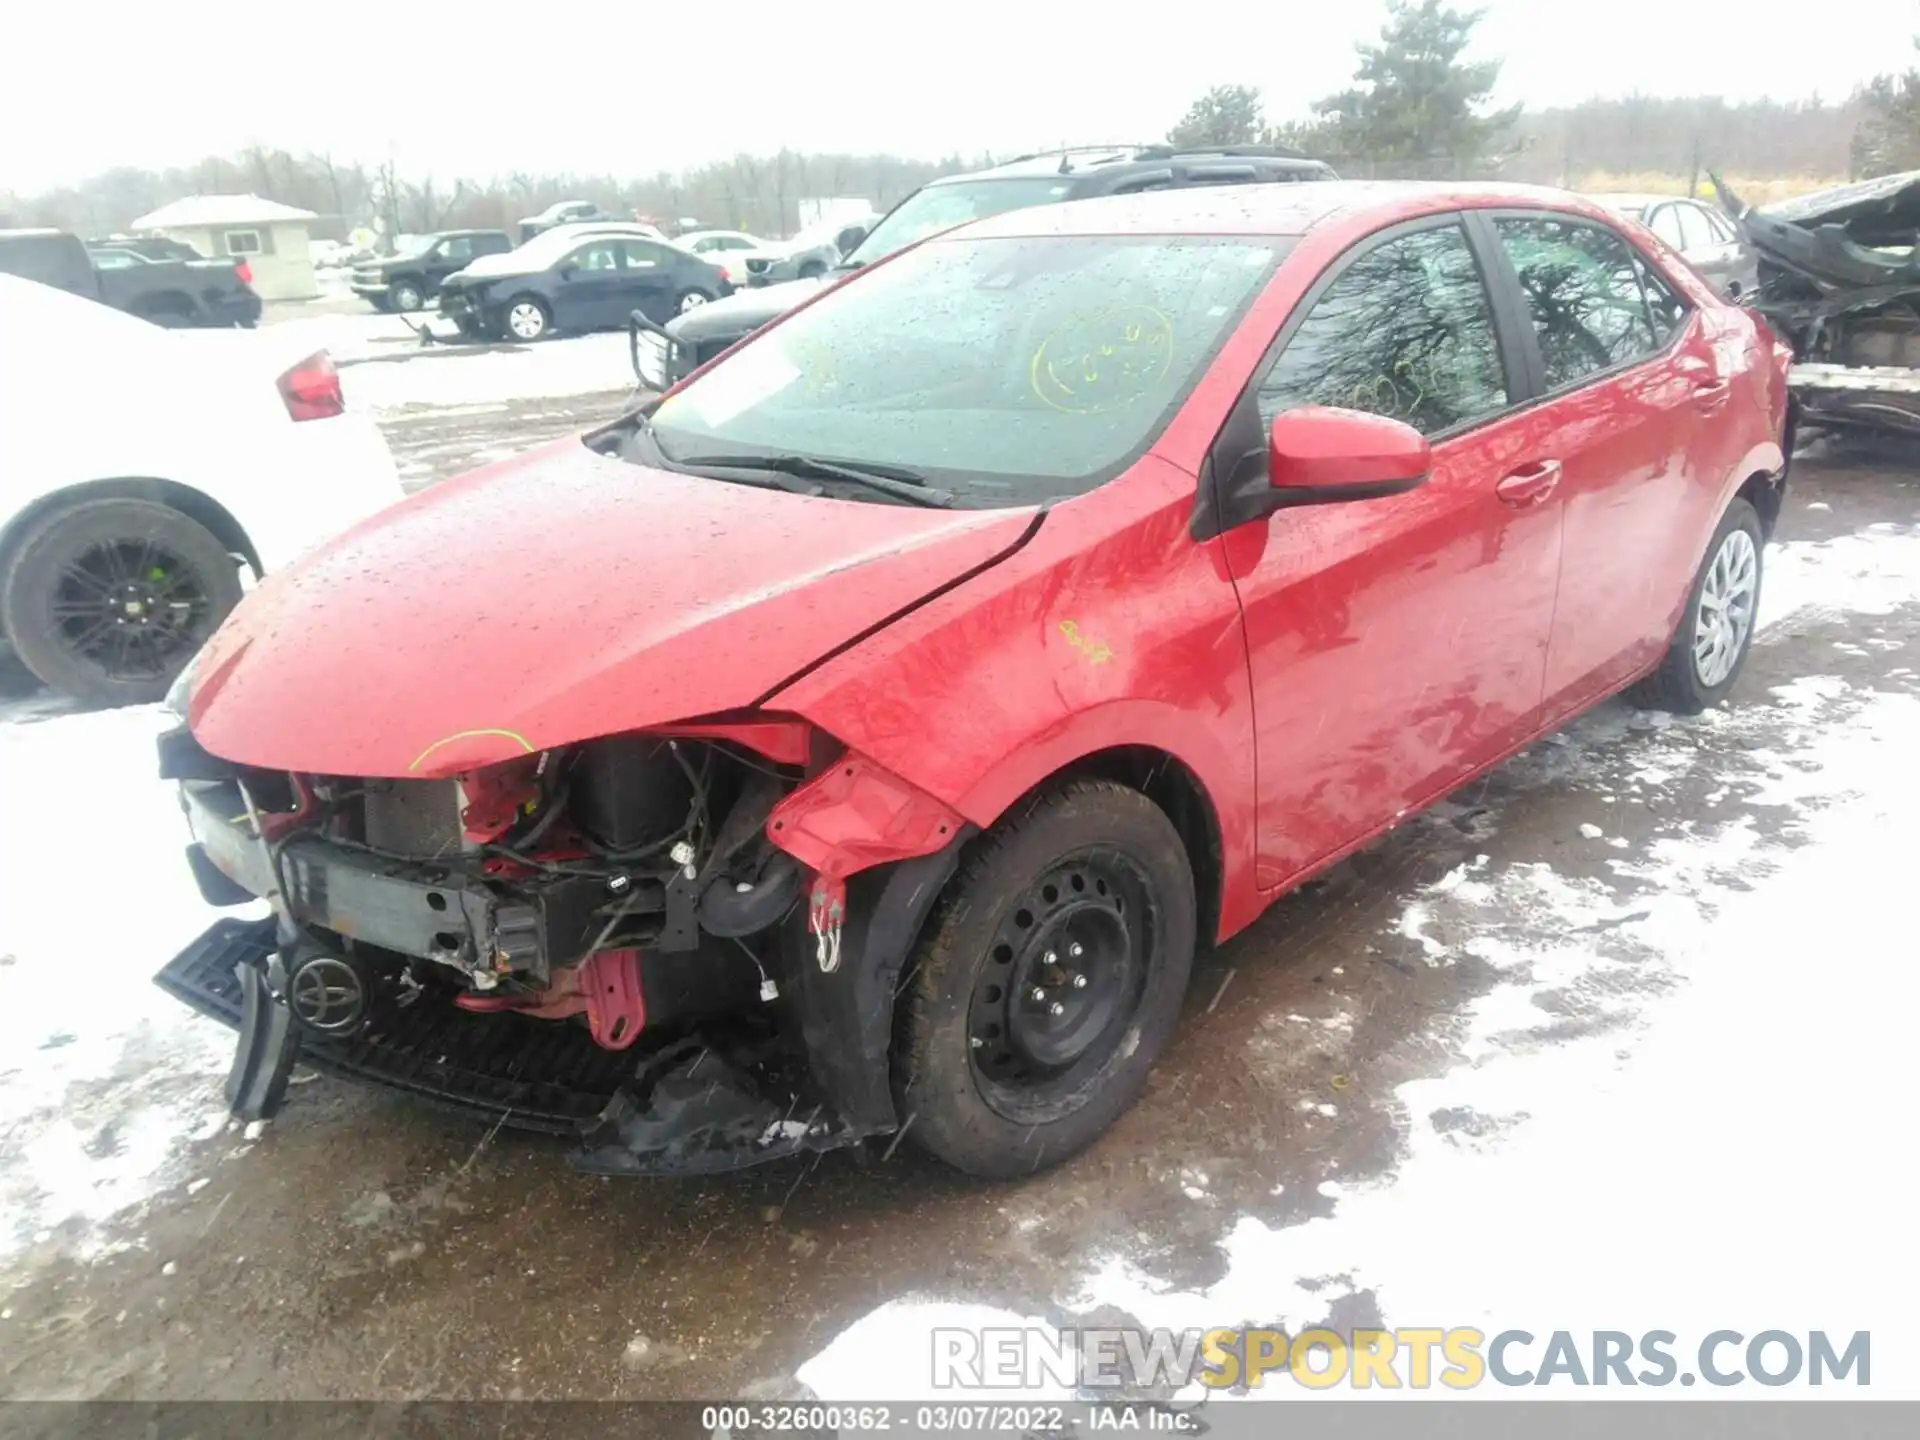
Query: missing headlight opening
point(604, 937)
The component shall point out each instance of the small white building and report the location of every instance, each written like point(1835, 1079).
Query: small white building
point(270, 237)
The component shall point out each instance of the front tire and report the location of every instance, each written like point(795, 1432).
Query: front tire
point(406, 297)
point(1050, 980)
point(106, 601)
point(1715, 634)
point(527, 318)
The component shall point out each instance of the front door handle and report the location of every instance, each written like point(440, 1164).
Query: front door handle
point(1530, 485)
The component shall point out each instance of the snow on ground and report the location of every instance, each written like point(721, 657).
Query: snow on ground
point(1714, 1148)
point(104, 1081)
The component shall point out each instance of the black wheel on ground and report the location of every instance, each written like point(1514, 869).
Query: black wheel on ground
point(1716, 629)
point(527, 318)
point(105, 601)
point(405, 296)
point(171, 311)
point(1049, 980)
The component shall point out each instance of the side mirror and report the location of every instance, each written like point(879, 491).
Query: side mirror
point(1318, 455)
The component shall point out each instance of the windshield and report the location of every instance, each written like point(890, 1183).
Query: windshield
point(941, 207)
point(1008, 371)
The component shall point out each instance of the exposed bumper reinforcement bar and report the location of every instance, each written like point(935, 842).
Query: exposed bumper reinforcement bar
point(686, 1111)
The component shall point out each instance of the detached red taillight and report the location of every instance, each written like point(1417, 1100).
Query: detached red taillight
point(243, 272)
point(312, 388)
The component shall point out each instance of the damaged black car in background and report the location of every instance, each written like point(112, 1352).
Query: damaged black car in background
point(1840, 281)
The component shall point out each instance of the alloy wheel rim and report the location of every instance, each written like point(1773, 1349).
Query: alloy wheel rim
point(526, 320)
point(1060, 987)
point(692, 300)
point(130, 609)
point(1723, 618)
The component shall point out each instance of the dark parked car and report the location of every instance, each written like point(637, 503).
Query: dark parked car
point(1070, 174)
point(167, 292)
point(569, 280)
point(408, 280)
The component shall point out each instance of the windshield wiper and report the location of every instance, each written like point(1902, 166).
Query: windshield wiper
point(891, 480)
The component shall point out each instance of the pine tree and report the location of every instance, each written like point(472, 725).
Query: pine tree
point(1225, 115)
point(1888, 140)
point(1418, 105)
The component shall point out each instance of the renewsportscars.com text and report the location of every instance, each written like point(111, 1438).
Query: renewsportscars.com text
point(1413, 1358)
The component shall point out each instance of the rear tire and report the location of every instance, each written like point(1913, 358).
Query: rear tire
point(1050, 979)
point(1715, 633)
point(691, 300)
point(107, 601)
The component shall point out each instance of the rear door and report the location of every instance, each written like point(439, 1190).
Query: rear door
point(1631, 383)
point(650, 282)
point(1396, 644)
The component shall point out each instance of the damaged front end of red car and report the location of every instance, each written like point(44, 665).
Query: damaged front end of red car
point(678, 945)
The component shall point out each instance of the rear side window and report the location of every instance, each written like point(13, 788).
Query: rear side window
point(1588, 295)
point(1406, 332)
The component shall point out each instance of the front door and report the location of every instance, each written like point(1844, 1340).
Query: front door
point(1397, 644)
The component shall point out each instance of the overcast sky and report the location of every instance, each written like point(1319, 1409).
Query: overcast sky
point(472, 87)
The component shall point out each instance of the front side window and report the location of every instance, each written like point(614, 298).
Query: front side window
point(1695, 233)
point(1013, 371)
point(1406, 331)
point(1586, 293)
point(458, 248)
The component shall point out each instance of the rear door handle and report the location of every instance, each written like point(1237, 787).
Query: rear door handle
point(1711, 394)
point(1530, 485)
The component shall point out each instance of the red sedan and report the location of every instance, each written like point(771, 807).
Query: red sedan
point(860, 738)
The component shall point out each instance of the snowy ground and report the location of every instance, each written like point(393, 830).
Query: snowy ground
point(1616, 1040)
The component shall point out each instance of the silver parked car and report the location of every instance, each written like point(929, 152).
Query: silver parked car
point(1711, 243)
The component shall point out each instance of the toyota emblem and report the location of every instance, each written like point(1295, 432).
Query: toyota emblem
point(328, 995)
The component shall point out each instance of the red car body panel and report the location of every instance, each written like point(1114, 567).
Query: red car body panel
point(1317, 675)
point(555, 598)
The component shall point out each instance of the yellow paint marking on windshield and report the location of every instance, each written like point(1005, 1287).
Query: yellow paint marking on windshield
point(513, 735)
point(1100, 360)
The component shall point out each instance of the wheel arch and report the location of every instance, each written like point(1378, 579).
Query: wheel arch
point(1173, 786)
point(197, 506)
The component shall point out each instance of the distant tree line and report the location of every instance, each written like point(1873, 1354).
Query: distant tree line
point(759, 193)
point(1418, 108)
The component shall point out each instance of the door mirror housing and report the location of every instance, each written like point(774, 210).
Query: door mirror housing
point(1319, 455)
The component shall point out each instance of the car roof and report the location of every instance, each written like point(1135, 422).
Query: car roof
point(1285, 208)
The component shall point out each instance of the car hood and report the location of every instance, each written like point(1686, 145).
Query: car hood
point(1889, 207)
point(555, 598)
point(741, 311)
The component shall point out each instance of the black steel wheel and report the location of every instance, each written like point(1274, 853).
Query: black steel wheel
point(1049, 983)
point(107, 600)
